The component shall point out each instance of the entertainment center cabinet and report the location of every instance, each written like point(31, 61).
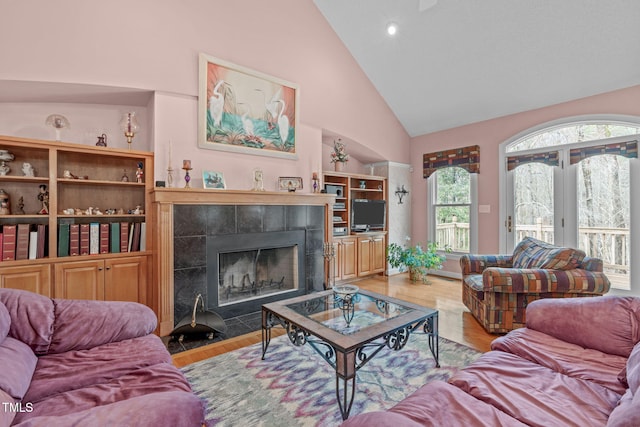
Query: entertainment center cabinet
point(357, 254)
point(75, 188)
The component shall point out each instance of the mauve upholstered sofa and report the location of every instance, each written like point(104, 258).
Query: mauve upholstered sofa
point(87, 363)
point(576, 363)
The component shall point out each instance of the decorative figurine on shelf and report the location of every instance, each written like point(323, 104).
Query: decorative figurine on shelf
point(5, 204)
point(124, 178)
point(316, 182)
point(21, 206)
point(258, 182)
point(28, 170)
point(139, 172)
point(5, 156)
point(102, 140)
point(43, 196)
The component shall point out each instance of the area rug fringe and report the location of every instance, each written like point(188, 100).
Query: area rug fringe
point(294, 386)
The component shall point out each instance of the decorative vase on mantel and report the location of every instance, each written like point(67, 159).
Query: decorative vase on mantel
point(339, 166)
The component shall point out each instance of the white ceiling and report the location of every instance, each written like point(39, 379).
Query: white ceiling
point(464, 61)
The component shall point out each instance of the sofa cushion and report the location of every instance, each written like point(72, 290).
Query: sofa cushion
point(62, 372)
point(158, 378)
point(534, 394)
point(5, 322)
point(18, 364)
point(6, 416)
point(566, 358)
point(110, 321)
point(627, 413)
point(610, 324)
point(435, 404)
point(632, 371)
point(474, 281)
point(171, 408)
point(534, 253)
point(31, 318)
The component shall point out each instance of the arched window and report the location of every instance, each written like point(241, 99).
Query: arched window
point(570, 184)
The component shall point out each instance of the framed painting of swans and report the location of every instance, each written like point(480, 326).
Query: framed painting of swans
point(245, 111)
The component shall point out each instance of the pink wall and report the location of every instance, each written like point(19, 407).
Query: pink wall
point(154, 45)
point(489, 135)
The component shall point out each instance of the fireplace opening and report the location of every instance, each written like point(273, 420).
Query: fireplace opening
point(256, 273)
point(247, 270)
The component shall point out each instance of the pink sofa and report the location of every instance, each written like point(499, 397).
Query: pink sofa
point(89, 363)
point(576, 363)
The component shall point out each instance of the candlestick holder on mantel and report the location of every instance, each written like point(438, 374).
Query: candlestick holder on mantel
point(186, 166)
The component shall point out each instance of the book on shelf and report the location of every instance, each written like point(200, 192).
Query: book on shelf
point(63, 240)
point(22, 241)
point(94, 238)
point(84, 239)
point(74, 239)
point(124, 237)
point(33, 244)
point(132, 226)
point(9, 242)
point(42, 250)
point(143, 236)
point(135, 244)
point(104, 238)
point(115, 237)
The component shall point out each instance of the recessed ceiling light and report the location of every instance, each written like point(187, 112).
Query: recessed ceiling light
point(392, 28)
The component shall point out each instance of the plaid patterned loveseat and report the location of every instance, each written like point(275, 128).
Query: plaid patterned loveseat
point(497, 288)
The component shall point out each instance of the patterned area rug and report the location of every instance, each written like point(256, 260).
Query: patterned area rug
point(294, 386)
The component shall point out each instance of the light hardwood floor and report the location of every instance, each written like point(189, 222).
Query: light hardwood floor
point(443, 294)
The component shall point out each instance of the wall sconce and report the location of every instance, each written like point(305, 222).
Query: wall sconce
point(401, 192)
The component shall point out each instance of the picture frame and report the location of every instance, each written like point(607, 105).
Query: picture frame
point(289, 183)
point(245, 111)
point(213, 180)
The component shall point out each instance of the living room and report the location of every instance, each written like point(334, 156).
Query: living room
point(93, 62)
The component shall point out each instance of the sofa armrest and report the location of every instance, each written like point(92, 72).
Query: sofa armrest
point(475, 264)
point(610, 324)
point(84, 324)
point(538, 280)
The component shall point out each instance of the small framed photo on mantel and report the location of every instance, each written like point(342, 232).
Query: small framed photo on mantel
point(213, 180)
point(289, 183)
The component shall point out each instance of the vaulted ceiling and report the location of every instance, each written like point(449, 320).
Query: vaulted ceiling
point(455, 62)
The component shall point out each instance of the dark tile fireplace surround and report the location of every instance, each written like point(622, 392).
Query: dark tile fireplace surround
point(197, 229)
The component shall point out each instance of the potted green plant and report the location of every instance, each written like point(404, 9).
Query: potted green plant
point(416, 259)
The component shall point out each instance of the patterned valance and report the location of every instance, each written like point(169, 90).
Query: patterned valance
point(467, 158)
point(549, 158)
point(626, 149)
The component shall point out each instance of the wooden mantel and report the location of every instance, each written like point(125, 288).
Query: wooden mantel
point(161, 289)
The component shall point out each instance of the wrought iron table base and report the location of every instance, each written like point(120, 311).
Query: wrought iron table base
point(346, 365)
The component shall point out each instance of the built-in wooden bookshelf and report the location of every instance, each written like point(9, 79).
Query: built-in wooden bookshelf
point(78, 195)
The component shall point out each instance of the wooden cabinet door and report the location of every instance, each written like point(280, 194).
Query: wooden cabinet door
point(80, 280)
point(32, 278)
point(378, 254)
point(126, 279)
point(335, 267)
point(349, 258)
point(364, 256)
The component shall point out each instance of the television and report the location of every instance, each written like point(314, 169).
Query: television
point(368, 214)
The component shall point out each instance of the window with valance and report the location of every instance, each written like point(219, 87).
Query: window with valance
point(467, 158)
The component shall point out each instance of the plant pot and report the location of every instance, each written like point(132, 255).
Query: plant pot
point(339, 166)
point(415, 275)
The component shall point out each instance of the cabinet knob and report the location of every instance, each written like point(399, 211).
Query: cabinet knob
point(108, 268)
point(99, 268)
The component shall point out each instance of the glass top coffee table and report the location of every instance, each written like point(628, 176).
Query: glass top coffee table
point(348, 328)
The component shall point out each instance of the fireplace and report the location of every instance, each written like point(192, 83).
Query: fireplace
point(242, 256)
point(247, 270)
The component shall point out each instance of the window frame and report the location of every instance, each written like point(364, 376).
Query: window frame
point(473, 214)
